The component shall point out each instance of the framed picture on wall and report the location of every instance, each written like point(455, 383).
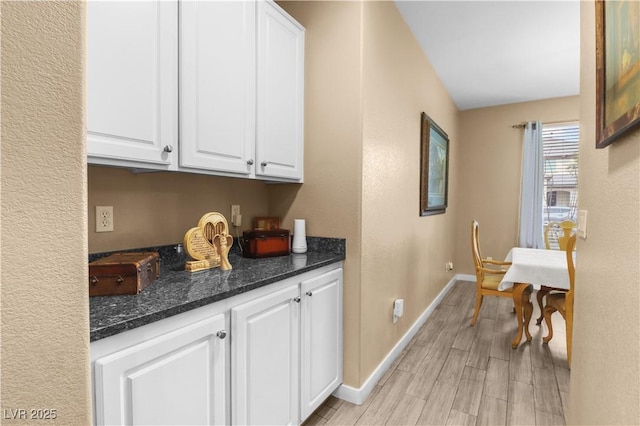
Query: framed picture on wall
point(617, 69)
point(434, 167)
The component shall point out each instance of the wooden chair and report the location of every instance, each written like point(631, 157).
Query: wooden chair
point(561, 230)
point(554, 228)
point(563, 302)
point(487, 279)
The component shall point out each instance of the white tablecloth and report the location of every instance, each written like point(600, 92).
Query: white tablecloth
point(537, 267)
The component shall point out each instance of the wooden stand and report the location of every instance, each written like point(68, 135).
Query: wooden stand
point(208, 244)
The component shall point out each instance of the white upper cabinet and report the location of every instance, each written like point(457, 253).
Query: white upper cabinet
point(132, 83)
point(237, 99)
point(280, 97)
point(217, 85)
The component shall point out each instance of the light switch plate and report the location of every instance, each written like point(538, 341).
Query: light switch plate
point(582, 224)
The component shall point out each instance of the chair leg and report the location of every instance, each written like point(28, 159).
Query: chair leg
point(569, 324)
point(539, 296)
point(475, 314)
point(528, 312)
point(548, 311)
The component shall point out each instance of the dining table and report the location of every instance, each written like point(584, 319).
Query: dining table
point(530, 269)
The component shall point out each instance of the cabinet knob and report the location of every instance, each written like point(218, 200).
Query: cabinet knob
point(168, 148)
point(250, 162)
point(221, 334)
point(309, 293)
point(296, 299)
point(263, 164)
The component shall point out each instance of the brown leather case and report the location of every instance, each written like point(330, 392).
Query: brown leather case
point(123, 273)
point(276, 242)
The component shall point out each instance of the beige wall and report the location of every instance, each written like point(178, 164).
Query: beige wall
point(605, 369)
point(330, 198)
point(367, 82)
point(490, 172)
point(45, 323)
point(403, 254)
point(353, 165)
point(158, 208)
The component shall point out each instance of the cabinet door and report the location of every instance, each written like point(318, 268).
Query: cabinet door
point(265, 359)
point(321, 371)
point(280, 133)
point(132, 83)
point(217, 85)
point(177, 378)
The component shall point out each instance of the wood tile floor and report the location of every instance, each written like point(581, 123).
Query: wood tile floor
point(454, 374)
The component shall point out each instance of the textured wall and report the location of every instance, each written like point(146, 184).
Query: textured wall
point(45, 324)
point(490, 172)
point(158, 208)
point(366, 84)
point(329, 199)
point(605, 370)
point(403, 254)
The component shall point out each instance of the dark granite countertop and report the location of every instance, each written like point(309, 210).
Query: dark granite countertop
point(177, 291)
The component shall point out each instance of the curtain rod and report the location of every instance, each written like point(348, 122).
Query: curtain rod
point(523, 125)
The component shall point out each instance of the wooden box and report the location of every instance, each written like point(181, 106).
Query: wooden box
point(276, 242)
point(123, 273)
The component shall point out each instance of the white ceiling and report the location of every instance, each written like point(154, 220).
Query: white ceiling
point(499, 52)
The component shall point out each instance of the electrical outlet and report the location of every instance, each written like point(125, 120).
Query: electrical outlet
point(104, 218)
point(398, 309)
point(449, 266)
point(235, 212)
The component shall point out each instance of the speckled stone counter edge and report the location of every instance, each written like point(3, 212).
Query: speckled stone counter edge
point(177, 291)
point(171, 256)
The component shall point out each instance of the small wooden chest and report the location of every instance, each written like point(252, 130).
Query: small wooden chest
point(276, 242)
point(123, 273)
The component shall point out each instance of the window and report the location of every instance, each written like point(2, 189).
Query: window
point(560, 153)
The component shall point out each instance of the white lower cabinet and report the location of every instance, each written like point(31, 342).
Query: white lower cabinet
point(287, 352)
point(321, 337)
point(175, 378)
point(268, 356)
point(265, 359)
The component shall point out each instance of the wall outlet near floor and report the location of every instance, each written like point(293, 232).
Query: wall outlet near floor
point(104, 218)
point(449, 266)
point(398, 309)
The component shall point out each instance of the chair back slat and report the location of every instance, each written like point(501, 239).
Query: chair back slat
point(475, 249)
point(571, 244)
point(558, 232)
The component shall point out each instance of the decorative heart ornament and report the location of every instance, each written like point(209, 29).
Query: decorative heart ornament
point(208, 243)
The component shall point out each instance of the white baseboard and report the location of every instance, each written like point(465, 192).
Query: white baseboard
point(359, 395)
point(463, 277)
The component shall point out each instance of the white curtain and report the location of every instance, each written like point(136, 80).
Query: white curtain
point(531, 234)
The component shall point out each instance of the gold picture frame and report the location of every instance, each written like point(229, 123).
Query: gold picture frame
point(434, 168)
point(617, 69)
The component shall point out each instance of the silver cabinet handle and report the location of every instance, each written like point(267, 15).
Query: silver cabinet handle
point(250, 162)
point(263, 164)
point(168, 148)
point(221, 334)
point(309, 293)
point(296, 299)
